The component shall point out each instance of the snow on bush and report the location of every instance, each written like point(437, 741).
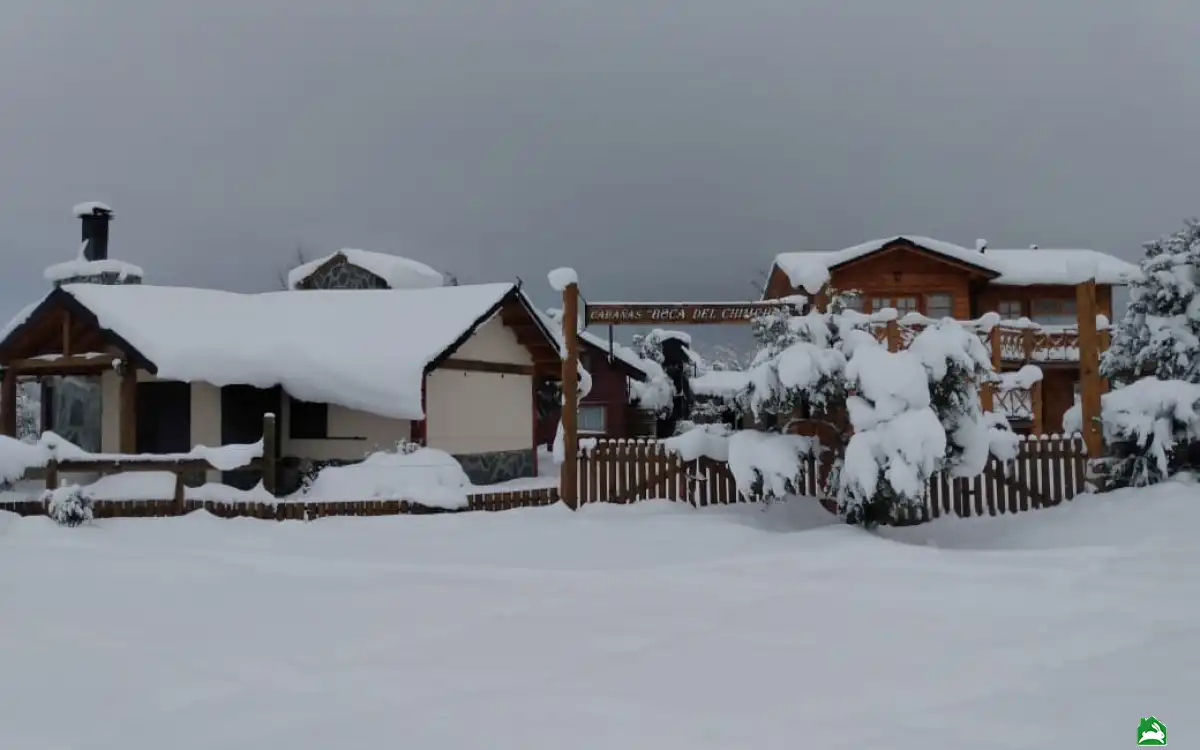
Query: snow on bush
point(1148, 427)
point(708, 441)
point(768, 466)
point(68, 506)
point(424, 476)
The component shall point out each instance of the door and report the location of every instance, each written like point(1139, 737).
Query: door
point(242, 410)
point(164, 417)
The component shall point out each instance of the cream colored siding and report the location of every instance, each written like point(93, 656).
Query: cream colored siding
point(110, 412)
point(479, 412)
point(494, 342)
point(353, 434)
point(206, 419)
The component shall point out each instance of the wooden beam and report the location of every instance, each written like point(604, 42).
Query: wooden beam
point(128, 410)
point(569, 471)
point(8, 404)
point(475, 365)
point(270, 453)
point(66, 332)
point(987, 395)
point(63, 364)
point(679, 313)
point(1035, 407)
point(1089, 367)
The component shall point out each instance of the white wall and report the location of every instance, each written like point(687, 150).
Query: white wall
point(494, 342)
point(353, 434)
point(478, 412)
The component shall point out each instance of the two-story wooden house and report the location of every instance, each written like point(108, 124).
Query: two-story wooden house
point(940, 279)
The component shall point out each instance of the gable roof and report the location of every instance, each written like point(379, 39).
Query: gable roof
point(361, 349)
point(396, 271)
point(810, 270)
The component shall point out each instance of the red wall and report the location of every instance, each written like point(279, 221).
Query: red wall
point(610, 388)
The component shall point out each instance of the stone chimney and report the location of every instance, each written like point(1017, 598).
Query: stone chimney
point(93, 265)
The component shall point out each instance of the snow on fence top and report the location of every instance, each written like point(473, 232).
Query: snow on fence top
point(17, 457)
point(365, 350)
point(1022, 267)
point(397, 271)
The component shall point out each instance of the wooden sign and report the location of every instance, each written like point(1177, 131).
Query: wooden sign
point(680, 313)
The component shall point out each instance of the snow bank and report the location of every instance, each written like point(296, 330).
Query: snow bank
point(322, 346)
point(425, 476)
point(397, 271)
point(561, 278)
point(89, 208)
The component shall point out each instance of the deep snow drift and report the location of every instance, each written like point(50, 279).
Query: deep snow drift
point(647, 626)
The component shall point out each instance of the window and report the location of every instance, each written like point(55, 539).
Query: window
point(903, 305)
point(591, 419)
point(1055, 312)
point(308, 420)
point(1010, 309)
point(938, 306)
point(853, 302)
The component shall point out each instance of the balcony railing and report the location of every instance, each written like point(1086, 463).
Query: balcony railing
point(1020, 341)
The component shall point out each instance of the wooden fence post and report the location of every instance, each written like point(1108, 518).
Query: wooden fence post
point(269, 475)
point(1089, 367)
point(8, 404)
point(893, 335)
point(52, 474)
point(988, 394)
point(1035, 408)
point(569, 471)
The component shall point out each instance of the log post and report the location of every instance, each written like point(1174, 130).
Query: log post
point(128, 408)
point(893, 336)
point(8, 404)
point(269, 471)
point(1035, 408)
point(1089, 367)
point(1105, 338)
point(569, 473)
point(987, 396)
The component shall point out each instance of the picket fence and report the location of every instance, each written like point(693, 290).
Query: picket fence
point(289, 511)
point(1048, 470)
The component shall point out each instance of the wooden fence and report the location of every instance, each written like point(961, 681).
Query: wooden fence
point(1049, 470)
point(297, 511)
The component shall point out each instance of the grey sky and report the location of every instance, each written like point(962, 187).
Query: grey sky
point(664, 149)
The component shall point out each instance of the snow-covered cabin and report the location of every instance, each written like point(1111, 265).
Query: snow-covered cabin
point(938, 279)
point(347, 371)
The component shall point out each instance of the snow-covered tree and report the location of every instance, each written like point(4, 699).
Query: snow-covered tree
point(1149, 424)
point(912, 413)
point(29, 408)
point(1160, 332)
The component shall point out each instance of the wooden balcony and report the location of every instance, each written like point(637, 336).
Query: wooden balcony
point(1019, 344)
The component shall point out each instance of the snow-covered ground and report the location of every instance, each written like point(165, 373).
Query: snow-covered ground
point(647, 626)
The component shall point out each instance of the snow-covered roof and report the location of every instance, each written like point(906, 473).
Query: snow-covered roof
point(361, 349)
point(397, 271)
point(1025, 267)
point(810, 270)
point(720, 383)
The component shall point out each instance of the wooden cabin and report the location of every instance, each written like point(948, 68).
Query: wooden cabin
point(1033, 291)
point(349, 363)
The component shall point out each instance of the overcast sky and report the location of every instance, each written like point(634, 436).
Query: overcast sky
point(666, 150)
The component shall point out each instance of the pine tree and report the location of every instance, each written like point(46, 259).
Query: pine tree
point(1154, 361)
point(1159, 335)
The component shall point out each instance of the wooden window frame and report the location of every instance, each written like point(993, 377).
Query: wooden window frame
point(1060, 304)
point(1019, 305)
point(949, 304)
point(603, 410)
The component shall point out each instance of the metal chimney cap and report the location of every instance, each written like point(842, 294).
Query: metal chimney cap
point(92, 208)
